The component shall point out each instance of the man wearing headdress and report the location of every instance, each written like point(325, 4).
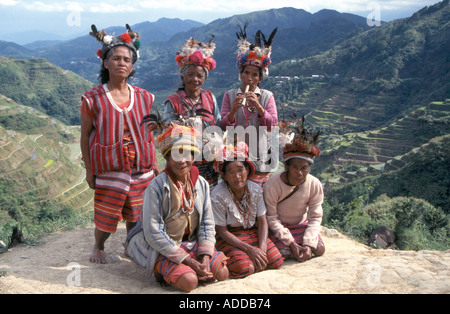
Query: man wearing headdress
point(294, 199)
point(118, 152)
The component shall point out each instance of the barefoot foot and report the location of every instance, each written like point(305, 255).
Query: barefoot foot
point(97, 256)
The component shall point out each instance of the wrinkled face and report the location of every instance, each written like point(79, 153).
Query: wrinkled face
point(119, 62)
point(180, 163)
point(236, 175)
point(251, 76)
point(194, 78)
point(297, 170)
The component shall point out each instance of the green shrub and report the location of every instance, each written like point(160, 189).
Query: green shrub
point(417, 224)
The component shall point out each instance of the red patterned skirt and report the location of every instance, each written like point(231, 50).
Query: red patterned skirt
point(172, 271)
point(118, 194)
point(239, 263)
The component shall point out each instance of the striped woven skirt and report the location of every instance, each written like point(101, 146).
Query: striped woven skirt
point(172, 271)
point(118, 195)
point(260, 178)
point(239, 263)
point(297, 232)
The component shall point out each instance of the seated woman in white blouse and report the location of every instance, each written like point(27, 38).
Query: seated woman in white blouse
point(240, 218)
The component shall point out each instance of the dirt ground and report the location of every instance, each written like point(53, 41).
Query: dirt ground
point(60, 264)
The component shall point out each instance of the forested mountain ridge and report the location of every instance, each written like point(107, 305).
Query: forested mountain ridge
point(42, 85)
point(300, 34)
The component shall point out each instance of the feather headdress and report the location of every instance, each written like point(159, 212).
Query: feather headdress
point(257, 54)
point(300, 142)
point(176, 134)
point(222, 152)
point(129, 39)
point(197, 53)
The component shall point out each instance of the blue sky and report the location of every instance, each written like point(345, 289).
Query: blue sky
point(67, 19)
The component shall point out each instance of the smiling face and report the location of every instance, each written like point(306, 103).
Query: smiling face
point(119, 62)
point(236, 174)
point(180, 163)
point(193, 78)
point(251, 75)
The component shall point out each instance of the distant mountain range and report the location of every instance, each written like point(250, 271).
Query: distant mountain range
point(301, 34)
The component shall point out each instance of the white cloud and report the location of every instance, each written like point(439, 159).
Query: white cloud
point(8, 2)
point(235, 6)
point(104, 7)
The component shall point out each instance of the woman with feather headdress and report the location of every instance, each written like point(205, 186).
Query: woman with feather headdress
point(118, 152)
point(191, 101)
point(294, 198)
point(250, 105)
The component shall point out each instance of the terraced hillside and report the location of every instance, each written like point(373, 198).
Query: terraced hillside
point(336, 107)
point(389, 148)
point(40, 160)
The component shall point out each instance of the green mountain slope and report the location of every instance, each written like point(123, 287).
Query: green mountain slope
point(405, 56)
point(42, 179)
point(42, 85)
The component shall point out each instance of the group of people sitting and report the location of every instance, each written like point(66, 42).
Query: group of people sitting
point(186, 225)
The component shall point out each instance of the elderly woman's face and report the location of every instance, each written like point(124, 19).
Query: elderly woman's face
point(297, 170)
point(194, 78)
point(119, 63)
point(180, 162)
point(236, 175)
point(251, 76)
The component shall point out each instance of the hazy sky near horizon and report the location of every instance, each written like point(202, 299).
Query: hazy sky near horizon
point(73, 18)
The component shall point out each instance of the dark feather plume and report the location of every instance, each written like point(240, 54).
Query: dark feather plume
point(269, 42)
point(242, 34)
point(154, 121)
point(95, 33)
point(258, 38)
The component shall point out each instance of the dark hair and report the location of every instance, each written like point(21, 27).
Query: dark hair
point(103, 76)
point(288, 163)
point(226, 163)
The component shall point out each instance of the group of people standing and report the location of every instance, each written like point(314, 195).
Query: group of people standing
point(184, 225)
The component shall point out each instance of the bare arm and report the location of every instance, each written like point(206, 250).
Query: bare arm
point(263, 232)
point(86, 129)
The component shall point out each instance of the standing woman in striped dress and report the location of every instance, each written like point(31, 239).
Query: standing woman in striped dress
point(118, 152)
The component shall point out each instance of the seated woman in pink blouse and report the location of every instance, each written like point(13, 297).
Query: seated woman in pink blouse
point(250, 105)
point(294, 201)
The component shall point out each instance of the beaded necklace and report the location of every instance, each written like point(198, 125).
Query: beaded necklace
point(187, 197)
point(242, 206)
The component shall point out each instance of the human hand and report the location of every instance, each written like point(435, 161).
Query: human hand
point(238, 102)
point(258, 257)
point(90, 179)
point(305, 254)
point(301, 253)
point(253, 101)
point(201, 268)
